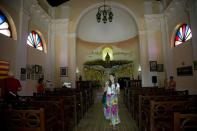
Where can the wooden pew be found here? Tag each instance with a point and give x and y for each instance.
(144, 101)
(62, 108)
(88, 85)
(1, 113)
(144, 105)
(133, 97)
(67, 114)
(25, 120)
(131, 84)
(161, 113)
(52, 108)
(70, 92)
(185, 122)
(84, 98)
(135, 83)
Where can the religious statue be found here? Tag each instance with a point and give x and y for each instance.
(107, 57)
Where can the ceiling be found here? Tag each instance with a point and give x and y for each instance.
(55, 3)
(122, 27)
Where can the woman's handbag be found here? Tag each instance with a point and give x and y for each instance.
(104, 98)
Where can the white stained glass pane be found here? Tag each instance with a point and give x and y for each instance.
(6, 32)
(190, 36)
(177, 43)
(39, 48)
(4, 25)
(31, 39)
(188, 33)
(29, 43)
(181, 32)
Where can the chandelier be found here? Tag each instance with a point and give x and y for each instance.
(104, 13)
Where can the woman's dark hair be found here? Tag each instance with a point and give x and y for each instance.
(110, 82)
(40, 80)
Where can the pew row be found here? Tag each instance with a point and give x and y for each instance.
(185, 122)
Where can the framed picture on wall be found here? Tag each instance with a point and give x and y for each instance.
(28, 70)
(195, 65)
(63, 71)
(185, 71)
(37, 67)
(23, 70)
(160, 67)
(23, 74)
(153, 65)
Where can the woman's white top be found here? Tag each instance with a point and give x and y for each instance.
(114, 89)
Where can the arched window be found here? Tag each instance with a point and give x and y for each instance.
(4, 25)
(183, 34)
(34, 40)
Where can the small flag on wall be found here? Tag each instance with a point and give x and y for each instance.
(4, 69)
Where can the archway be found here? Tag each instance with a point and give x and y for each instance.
(121, 35)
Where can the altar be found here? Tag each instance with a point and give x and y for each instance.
(99, 70)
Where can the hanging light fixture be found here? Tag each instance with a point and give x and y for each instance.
(104, 13)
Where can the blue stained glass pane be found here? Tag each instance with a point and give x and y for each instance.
(2, 18)
(179, 35)
(38, 41)
(187, 28)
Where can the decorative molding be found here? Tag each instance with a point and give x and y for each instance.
(142, 32)
(174, 7)
(153, 22)
(35, 7)
(153, 16)
(73, 35)
(60, 25)
(60, 21)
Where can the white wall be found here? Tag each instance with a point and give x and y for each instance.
(182, 55)
(27, 16)
(9, 45)
(59, 28)
(39, 21)
(193, 20)
(153, 49)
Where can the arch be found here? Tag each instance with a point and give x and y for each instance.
(42, 40)
(11, 23)
(75, 24)
(110, 3)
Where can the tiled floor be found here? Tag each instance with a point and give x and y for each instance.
(95, 121)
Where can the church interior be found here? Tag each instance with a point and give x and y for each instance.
(56, 57)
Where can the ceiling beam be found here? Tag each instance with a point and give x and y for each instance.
(55, 3)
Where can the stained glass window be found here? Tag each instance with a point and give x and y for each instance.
(4, 25)
(34, 40)
(183, 34)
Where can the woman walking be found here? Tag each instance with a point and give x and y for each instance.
(111, 109)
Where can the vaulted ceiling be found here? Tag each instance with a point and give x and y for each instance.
(55, 3)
